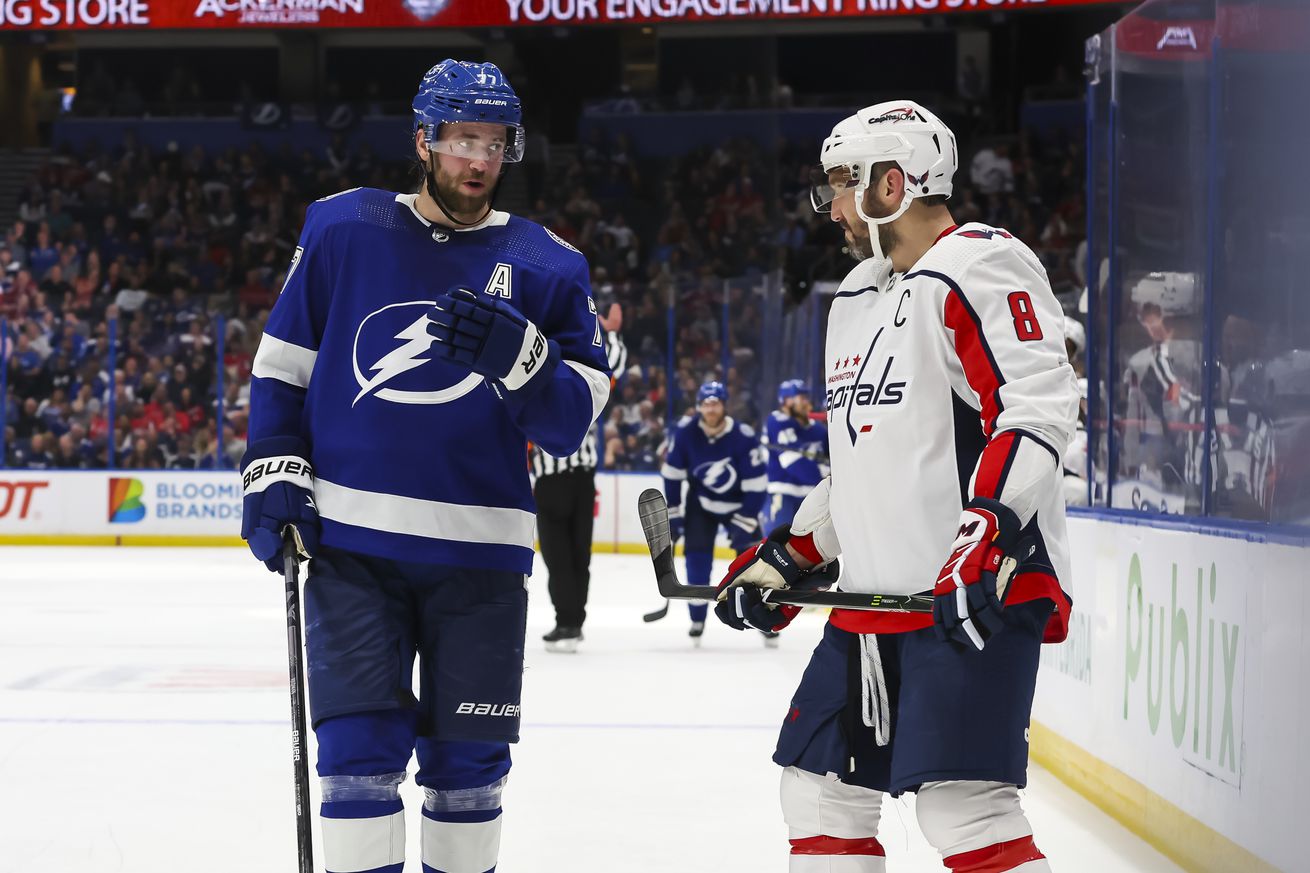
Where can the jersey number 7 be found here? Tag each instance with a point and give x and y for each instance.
(1025, 318)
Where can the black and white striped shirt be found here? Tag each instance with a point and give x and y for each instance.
(585, 458)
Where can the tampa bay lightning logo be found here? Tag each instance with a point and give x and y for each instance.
(425, 9)
(391, 349)
(716, 476)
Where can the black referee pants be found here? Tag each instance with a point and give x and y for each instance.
(565, 504)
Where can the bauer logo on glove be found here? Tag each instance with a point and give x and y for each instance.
(491, 338)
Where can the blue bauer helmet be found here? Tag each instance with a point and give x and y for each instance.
(712, 391)
(454, 91)
(792, 388)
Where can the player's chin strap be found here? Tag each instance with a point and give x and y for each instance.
(875, 243)
(430, 179)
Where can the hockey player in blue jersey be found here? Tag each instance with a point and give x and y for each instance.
(419, 342)
(798, 453)
(722, 464)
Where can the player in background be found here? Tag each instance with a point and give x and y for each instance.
(950, 403)
(798, 452)
(722, 463)
(419, 342)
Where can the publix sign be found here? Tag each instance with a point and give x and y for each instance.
(1184, 643)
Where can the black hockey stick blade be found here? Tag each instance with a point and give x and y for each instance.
(654, 513)
(657, 614)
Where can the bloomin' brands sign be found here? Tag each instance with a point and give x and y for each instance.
(174, 498)
(97, 503)
(125, 504)
(203, 14)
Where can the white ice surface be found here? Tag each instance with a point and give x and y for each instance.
(144, 728)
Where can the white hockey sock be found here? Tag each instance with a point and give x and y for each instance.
(831, 825)
(461, 829)
(978, 827)
(363, 824)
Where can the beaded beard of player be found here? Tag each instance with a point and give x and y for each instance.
(444, 189)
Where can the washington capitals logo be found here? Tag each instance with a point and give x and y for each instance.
(393, 341)
(425, 9)
(717, 476)
(917, 180)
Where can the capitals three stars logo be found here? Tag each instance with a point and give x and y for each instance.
(843, 363)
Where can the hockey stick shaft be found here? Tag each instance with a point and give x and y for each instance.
(654, 513)
(296, 669)
(817, 456)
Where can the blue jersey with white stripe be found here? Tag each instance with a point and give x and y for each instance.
(791, 472)
(725, 472)
(418, 459)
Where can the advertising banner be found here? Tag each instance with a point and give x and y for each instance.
(235, 14)
(1183, 671)
(137, 503)
(192, 507)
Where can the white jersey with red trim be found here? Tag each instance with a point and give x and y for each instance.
(946, 383)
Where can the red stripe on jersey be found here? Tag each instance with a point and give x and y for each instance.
(996, 858)
(971, 349)
(1036, 586)
(945, 233)
(994, 465)
(861, 621)
(837, 846)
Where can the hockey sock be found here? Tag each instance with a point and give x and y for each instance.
(831, 824)
(978, 827)
(461, 829)
(363, 824)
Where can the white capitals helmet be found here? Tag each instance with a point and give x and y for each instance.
(898, 130)
(1174, 293)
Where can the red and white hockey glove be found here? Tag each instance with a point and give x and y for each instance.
(768, 565)
(967, 605)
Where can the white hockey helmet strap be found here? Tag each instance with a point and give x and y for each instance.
(899, 131)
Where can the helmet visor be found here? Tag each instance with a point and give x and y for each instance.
(474, 146)
(827, 187)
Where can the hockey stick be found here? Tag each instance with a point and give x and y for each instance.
(657, 614)
(654, 514)
(296, 668)
(810, 454)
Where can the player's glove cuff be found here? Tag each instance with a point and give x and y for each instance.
(278, 495)
(766, 565)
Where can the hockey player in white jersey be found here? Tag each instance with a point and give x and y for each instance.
(950, 402)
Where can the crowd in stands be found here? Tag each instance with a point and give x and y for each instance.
(166, 247)
(175, 248)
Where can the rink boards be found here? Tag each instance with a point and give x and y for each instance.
(1177, 704)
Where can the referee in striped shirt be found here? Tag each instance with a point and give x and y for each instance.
(565, 489)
